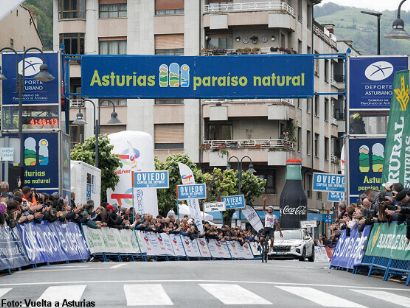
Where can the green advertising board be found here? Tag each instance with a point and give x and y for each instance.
(397, 149)
(389, 241)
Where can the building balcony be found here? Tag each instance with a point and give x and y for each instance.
(248, 51)
(275, 14)
(275, 151)
(273, 109)
(325, 35)
(250, 6)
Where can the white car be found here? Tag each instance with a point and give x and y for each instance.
(295, 244)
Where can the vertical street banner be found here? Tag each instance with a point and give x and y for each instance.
(397, 154)
(371, 80)
(366, 159)
(253, 218)
(187, 177)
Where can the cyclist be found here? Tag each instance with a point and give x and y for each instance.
(271, 225)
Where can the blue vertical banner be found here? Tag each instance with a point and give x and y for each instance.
(35, 92)
(41, 161)
(371, 80)
(366, 160)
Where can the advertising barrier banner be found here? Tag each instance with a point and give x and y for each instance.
(177, 245)
(12, 252)
(203, 248)
(389, 241)
(245, 76)
(350, 250)
(371, 80)
(218, 249)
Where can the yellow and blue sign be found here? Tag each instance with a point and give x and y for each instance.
(191, 191)
(234, 202)
(35, 92)
(245, 76)
(152, 179)
(371, 80)
(328, 182)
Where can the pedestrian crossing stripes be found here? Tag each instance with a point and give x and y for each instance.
(157, 294)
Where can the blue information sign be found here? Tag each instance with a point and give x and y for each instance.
(371, 81)
(335, 196)
(191, 191)
(366, 160)
(328, 182)
(35, 92)
(245, 76)
(234, 202)
(154, 179)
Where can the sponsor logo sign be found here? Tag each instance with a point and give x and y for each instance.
(328, 182)
(214, 207)
(261, 76)
(191, 191)
(154, 179)
(234, 202)
(289, 210)
(335, 196)
(371, 81)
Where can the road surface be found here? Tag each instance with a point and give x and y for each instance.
(198, 284)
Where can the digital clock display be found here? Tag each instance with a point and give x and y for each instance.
(40, 122)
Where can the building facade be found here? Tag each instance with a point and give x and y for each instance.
(269, 131)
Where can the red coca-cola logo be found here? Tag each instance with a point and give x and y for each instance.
(288, 210)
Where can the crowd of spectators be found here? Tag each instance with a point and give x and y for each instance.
(391, 205)
(26, 205)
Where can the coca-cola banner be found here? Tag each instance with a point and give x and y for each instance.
(292, 215)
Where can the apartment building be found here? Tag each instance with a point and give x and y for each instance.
(269, 131)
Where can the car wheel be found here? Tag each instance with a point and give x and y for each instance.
(302, 258)
(312, 257)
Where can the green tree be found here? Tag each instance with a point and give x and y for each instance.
(108, 162)
(166, 197)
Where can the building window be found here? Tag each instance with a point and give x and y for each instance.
(270, 187)
(300, 10)
(170, 52)
(308, 185)
(76, 134)
(282, 40)
(220, 42)
(115, 101)
(327, 71)
(11, 42)
(326, 148)
(219, 131)
(113, 47)
(309, 50)
(299, 146)
(308, 142)
(309, 105)
(318, 195)
(116, 10)
(316, 145)
(169, 136)
(309, 17)
(300, 48)
(169, 101)
(73, 43)
(317, 106)
(71, 9)
(166, 7)
(317, 65)
(326, 109)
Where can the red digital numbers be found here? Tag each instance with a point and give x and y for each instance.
(51, 122)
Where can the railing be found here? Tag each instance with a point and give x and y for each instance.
(282, 101)
(329, 40)
(280, 7)
(247, 51)
(268, 144)
(75, 103)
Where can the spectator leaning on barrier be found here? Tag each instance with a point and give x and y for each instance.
(404, 211)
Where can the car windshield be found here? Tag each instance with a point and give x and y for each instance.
(290, 235)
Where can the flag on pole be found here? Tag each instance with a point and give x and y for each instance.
(397, 150)
(187, 177)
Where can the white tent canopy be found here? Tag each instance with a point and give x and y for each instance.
(183, 209)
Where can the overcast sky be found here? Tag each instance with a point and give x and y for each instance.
(377, 5)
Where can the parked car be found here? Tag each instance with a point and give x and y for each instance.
(295, 244)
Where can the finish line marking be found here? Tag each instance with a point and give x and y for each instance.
(201, 281)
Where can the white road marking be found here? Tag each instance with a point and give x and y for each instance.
(321, 298)
(61, 293)
(386, 296)
(146, 295)
(37, 271)
(4, 291)
(233, 294)
(274, 283)
(118, 266)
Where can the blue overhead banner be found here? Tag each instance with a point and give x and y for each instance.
(245, 76)
(371, 80)
(328, 182)
(154, 179)
(366, 160)
(35, 92)
(191, 191)
(234, 202)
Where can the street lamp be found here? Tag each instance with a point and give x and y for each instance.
(43, 75)
(398, 31)
(80, 121)
(240, 168)
(378, 15)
